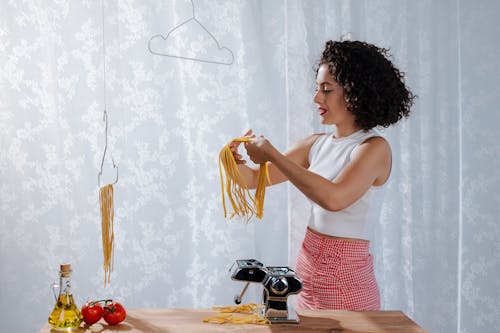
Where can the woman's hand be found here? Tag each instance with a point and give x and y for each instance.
(258, 149)
(234, 145)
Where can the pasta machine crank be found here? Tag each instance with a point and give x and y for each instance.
(279, 282)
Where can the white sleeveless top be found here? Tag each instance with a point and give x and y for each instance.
(327, 157)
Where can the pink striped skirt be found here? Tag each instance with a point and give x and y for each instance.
(336, 274)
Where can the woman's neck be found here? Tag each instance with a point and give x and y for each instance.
(344, 131)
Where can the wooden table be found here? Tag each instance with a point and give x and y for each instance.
(317, 321)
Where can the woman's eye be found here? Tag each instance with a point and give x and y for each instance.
(323, 89)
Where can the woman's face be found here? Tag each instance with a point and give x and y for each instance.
(329, 97)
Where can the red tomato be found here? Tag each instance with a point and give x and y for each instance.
(114, 313)
(92, 312)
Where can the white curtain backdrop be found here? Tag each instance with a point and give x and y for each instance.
(63, 62)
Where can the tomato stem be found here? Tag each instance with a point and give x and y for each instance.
(106, 301)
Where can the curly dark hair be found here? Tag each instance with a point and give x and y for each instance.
(374, 89)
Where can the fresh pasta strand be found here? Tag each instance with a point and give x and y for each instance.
(107, 227)
(260, 191)
(248, 308)
(226, 316)
(233, 185)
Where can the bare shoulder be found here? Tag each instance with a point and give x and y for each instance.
(377, 142)
(299, 152)
(375, 146)
(375, 154)
(307, 142)
(303, 145)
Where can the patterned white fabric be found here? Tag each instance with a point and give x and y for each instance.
(436, 249)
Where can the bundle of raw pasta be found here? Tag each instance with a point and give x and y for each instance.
(226, 315)
(233, 185)
(107, 221)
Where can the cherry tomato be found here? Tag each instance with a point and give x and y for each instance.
(114, 313)
(92, 312)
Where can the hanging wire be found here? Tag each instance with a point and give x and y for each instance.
(103, 56)
(105, 114)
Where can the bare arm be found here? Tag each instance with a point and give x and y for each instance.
(370, 165)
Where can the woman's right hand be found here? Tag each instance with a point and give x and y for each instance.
(234, 148)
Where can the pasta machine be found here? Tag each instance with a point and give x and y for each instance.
(278, 282)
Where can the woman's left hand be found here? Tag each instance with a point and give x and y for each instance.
(258, 149)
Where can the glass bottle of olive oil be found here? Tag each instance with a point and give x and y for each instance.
(66, 314)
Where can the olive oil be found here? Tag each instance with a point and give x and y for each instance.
(65, 314)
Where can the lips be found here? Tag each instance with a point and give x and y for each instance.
(322, 111)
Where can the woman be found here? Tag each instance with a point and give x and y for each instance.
(342, 173)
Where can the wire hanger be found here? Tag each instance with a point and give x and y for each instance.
(105, 115)
(105, 119)
(185, 57)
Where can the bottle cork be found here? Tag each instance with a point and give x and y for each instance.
(65, 269)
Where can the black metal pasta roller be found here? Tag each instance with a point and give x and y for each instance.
(279, 282)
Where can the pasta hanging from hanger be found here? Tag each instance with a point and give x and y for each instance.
(233, 185)
(107, 221)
